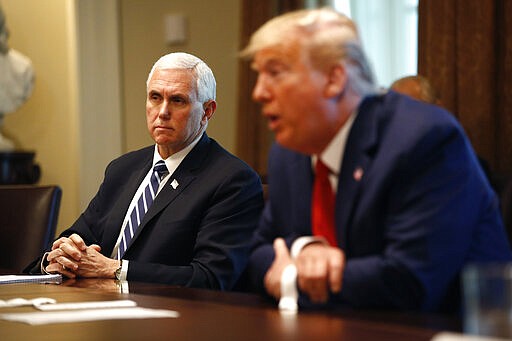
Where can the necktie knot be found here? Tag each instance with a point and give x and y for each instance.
(161, 169)
(321, 170)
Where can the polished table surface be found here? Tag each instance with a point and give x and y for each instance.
(210, 315)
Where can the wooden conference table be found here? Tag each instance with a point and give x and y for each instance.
(209, 315)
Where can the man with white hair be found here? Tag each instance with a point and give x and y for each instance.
(179, 212)
(375, 200)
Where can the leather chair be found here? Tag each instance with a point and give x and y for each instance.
(28, 219)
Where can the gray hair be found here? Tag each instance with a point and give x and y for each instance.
(328, 36)
(205, 80)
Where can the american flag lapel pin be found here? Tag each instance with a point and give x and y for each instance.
(174, 183)
(358, 174)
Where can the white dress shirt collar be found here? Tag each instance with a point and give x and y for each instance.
(173, 161)
(332, 155)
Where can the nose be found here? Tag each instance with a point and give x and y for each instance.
(260, 92)
(164, 110)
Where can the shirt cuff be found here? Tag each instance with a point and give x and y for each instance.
(124, 270)
(301, 242)
(43, 265)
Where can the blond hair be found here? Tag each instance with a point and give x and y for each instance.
(329, 38)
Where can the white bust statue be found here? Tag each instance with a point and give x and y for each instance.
(16, 80)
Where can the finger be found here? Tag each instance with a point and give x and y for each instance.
(96, 247)
(63, 261)
(66, 272)
(55, 254)
(336, 264)
(315, 269)
(280, 249)
(317, 291)
(272, 287)
(79, 242)
(71, 251)
(59, 268)
(320, 294)
(58, 242)
(311, 268)
(52, 255)
(67, 263)
(312, 280)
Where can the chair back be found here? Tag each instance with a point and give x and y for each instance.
(28, 219)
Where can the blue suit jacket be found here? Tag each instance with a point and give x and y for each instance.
(421, 210)
(196, 235)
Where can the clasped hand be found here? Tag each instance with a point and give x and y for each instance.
(319, 270)
(71, 257)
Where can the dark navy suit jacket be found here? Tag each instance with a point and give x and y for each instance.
(421, 210)
(196, 235)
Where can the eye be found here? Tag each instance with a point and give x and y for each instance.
(275, 69)
(178, 100)
(154, 96)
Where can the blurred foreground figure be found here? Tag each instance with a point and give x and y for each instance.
(375, 200)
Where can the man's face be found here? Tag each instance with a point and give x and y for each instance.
(292, 94)
(174, 115)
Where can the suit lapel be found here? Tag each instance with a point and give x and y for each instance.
(130, 186)
(302, 174)
(361, 144)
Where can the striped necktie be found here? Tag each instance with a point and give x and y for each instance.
(143, 202)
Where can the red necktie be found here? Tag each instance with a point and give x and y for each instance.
(322, 206)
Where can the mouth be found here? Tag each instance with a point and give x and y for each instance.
(272, 120)
(162, 128)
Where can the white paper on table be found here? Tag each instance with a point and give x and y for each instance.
(448, 336)
(86, 305)
(20, 302)
(84, 315)
(45, 279)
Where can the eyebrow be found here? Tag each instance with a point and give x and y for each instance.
(269, 63)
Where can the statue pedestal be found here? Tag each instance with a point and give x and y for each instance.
(17, 167)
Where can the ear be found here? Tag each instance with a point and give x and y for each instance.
(209, 109)
(336, 81)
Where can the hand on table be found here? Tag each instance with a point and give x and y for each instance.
(71, 257)
(320, 271)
